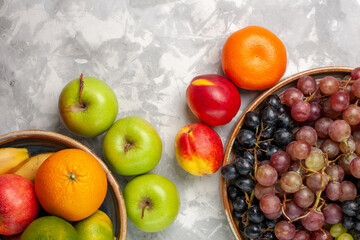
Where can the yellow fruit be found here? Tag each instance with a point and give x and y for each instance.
(10, 158)
(96, 227)
(31, 166)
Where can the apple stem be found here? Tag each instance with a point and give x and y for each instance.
(143, 211)
(144, 203)
(81, 90)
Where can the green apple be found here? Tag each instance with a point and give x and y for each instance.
(132, 146)
(152, 202)
(88, 106)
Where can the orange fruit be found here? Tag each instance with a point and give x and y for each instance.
(71, 184)
(254, 58)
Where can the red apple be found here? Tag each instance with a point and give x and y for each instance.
(198, 149)
(213, 99)
(18, 204)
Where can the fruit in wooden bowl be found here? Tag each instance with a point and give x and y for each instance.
(291, 161)
(38, 142)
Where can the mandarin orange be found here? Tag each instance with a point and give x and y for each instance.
(71, 184)
(254, 58)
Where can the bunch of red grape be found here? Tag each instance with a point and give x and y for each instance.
(296, 167)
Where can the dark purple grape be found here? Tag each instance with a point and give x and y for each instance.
(243, 166)
(273, 100)
(233, 192)
(254, 214)
(269, 116)
(229, 171)
(246, 138)
(252, 231)
(283, 137)
(252, 120)
(350, 207)
(246, 184)
(239, 204)
(315, 111)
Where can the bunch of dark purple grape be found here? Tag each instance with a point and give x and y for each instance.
(296, 161)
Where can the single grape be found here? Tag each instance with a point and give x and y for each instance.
(314, 221)
(352, 114)
(246, 184)
(290, 182)
(315, 160)
(350, 207)
(273, 100)
(348, 146)
(268, 132)
(349, 191)
(330, 147)
(246, 138)
(248, 156)
(292, 210)
(304, 197)
(266, 175)
(357, 147)
(254, 214)
(239, 204)
(269, 116)
(337, 229)
(260, 190)
(301, 149)
(322, 126)
(308, 134)
(307, 85)
(283, 137)
(333, 191)
(270, 203)
(315, 111)
(345, 161)
(329, 85)
(332, 213)
(285, 121)
(356, 88)
(301, 110)
(291, 95)
(335, 172)
(252, 231)
(316, 182)
(280, 161)
(243, 165)
(252, 120)
(229, 171)
(284, 230)
(340, 101)
(355, 167)
(339, 130)
(271, 150)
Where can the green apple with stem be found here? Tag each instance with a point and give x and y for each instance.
(152, 202)
(132, 146)
(87, 106)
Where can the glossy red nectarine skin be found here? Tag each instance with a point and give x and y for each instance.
(198, 149)
(213, 99)
(18, 204)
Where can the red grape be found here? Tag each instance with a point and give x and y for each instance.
(301, 235)
(290, 182)
(335, 172)
(316, 182)
(280, 161)
(307, 85)
(329, 85)
(301, 110)
(304, 197)
(321, 235)
(314, 221)
(284, 230)
(270, 203)
(291, 95)
(260, 190)
(308, 134)
(292, 210)
(356, 88)
(266, 175)
(330, 147)
(352, 114)
(349, 191)
(332, 213)
(327, 110)
(355, 73)
(340, 101)
(301, 149)
(339, 130)
(333, 191)
(315, 111)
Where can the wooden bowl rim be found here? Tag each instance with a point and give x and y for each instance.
(57, 137)
(257, 101)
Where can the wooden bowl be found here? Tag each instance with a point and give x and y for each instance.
(44, 141)
(279, 88)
